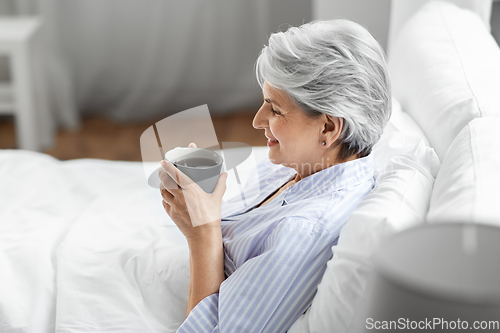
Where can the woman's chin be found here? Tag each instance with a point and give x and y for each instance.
(273, 158)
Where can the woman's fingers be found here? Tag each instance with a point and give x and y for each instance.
(180, 178)
(167, 182)
(166, 194)
(174, 198)
(171, 183)
(220, 187)
(192, 145)
(167, 207)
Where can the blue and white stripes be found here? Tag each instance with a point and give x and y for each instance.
(275, 255)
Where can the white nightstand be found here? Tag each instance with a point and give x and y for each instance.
(23, 97)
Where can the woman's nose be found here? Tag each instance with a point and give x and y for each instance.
(260, 121)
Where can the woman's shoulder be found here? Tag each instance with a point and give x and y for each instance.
(327, 208)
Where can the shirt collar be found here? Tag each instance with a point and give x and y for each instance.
(331, 179)
(323, 182)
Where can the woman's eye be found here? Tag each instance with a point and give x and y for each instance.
(276, 112)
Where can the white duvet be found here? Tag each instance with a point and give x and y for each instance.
(85, 246)
(82, 249)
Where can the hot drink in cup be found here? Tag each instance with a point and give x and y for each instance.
(203, 166)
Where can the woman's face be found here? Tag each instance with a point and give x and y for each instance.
(294, 139)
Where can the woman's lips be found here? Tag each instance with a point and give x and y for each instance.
(271, 142)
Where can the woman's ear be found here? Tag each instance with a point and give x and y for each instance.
(332, 129)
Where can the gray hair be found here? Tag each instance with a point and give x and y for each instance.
(336, 68)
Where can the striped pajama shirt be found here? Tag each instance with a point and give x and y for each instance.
(276, 254)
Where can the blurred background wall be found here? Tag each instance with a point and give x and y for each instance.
(144, 59)
(372, 14)
(133, 61)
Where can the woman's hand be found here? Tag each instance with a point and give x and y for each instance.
(196, 213)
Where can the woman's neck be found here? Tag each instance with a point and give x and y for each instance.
(307, 170)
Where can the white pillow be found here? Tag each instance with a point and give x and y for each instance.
(467, 185)
(445, 71)
(404, 122)
(405, 171)
(401, 10)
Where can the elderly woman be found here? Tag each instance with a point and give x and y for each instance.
(326, 101)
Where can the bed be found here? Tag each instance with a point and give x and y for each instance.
(85, 245)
